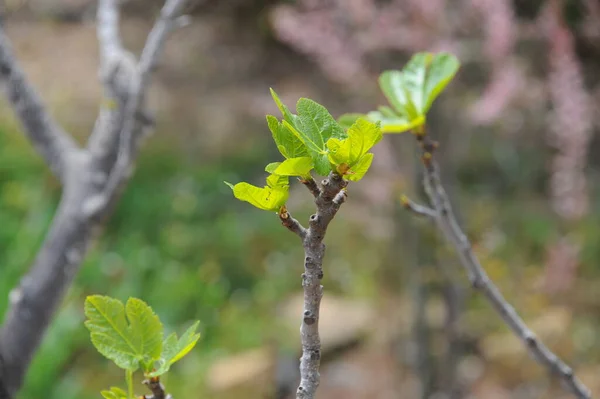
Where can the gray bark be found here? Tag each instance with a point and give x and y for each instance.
(92, 179)
(446, 222)
(328, 199)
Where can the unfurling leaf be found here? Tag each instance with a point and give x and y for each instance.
(412, 91)
(393, 86)
(287, 115)
(288, 143)
(316, 150)
(396, 123)
(270, 168)
(350, 155)
(174, 350)
(358, 171)
(317, 123)
(305, 134)
(278, 181)
(129, 335)
(269, 198)
(295, 167)
(442, 69)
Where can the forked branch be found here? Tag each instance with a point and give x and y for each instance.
(90, 176)
(448, 225)
(48, 138)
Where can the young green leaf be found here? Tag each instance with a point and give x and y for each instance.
(350, 154)
(288, 144)
(278, 181)
(295, 167)
(317, 122)
(387, 112)
(442, 69)
(413, 90)
(347, 120)
(314, 127)
(392, 85)
(174, 350)
(114, 393)
(361, 167)
(268, 198)
(287, 115)
(395, 123)
(318, 154)
(146, 327)
(128, 345)
(272, 166)
(414, 76)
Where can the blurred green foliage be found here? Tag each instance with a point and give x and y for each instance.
(178, 240)
(181, 242)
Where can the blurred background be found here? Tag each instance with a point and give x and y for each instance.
(516, 128)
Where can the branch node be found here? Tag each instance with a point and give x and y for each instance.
(312, 186)
(292, 224)
(448, 225)
(417, 209)
(531, 340)
(309, 317)
(340, 197)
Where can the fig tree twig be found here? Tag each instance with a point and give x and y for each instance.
(331, 195)
(448, 225)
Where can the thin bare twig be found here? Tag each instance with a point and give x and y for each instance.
(331, 195)
(292, 224)
(48, 138)
(417, 209)
(448, 225)
(136, 89)
(108, 30)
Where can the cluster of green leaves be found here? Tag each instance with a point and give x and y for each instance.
(131, 335)
(411, 92)
(310, 139)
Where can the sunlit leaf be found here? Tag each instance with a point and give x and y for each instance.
(266, 198)
(349, 154)
(295, 167)
(288, 143)
(127, 344)
(318, 154)
(287, 115)
(347, 120)
(174, 350)
(395, 124)
(278, 181)
(272, 166)
(322, 164)
(314, 128)
(317, 123)
(361, 167)
(412, 91)
(442, 69)
(392, 85)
